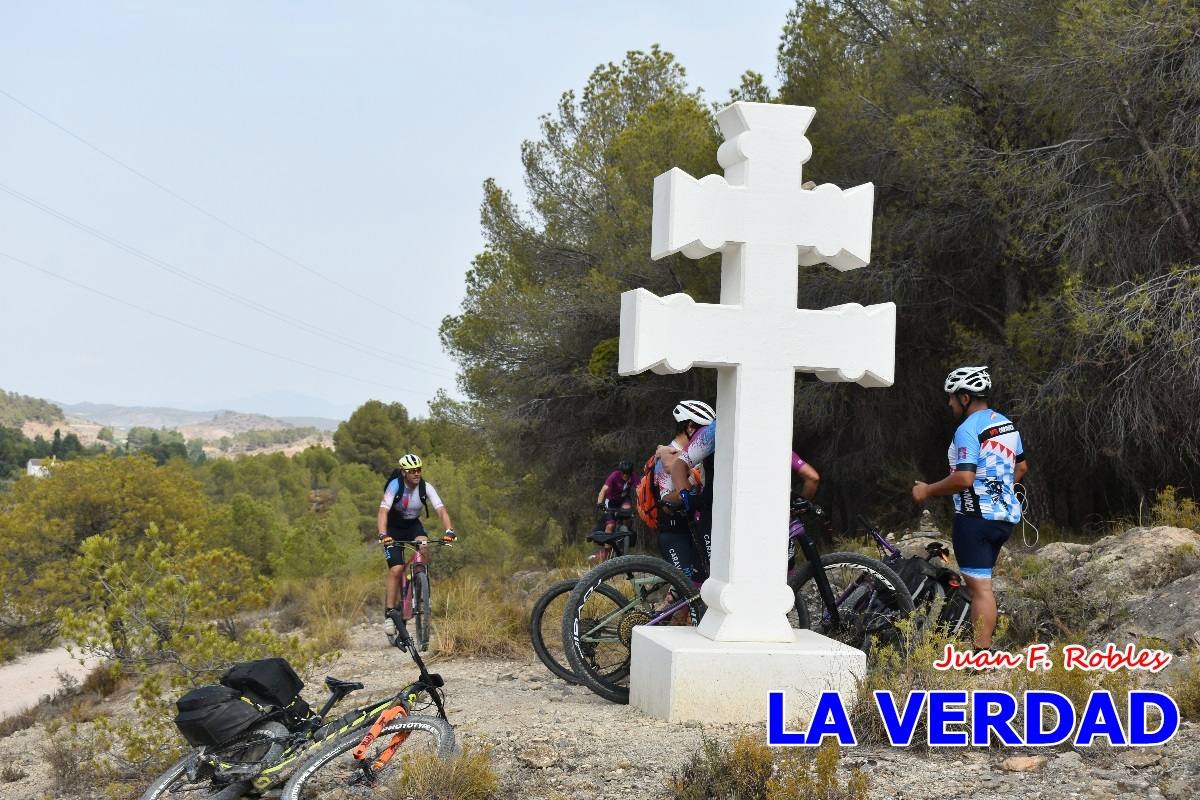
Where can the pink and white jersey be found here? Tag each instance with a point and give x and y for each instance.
(410, 504)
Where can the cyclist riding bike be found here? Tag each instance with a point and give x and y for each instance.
(987, 459)
(617, 492)
(399, 521)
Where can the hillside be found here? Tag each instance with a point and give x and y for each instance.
(17, 409)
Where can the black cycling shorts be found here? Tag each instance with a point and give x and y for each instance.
(406, 531)
(977, 544)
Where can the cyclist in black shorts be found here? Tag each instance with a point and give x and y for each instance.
(399, 521)
(987, 459)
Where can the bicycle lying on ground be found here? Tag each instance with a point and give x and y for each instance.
(859, 599)
(414, 587)
(260, 759)
(545, 621)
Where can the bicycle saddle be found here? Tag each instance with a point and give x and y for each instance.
(600, 537)
(346, 686)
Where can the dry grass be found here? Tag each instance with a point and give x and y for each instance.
(72, 701)
(815, 775)
(1185, 689)
(326, 608)
(68, 770)
(478, 616)
(11, 774)
(468, 776)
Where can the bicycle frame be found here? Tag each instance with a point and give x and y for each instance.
(317, 732)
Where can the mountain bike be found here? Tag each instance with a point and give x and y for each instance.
(414, 588)
(545, 621)
(939, 593)
(851, 597)
(859, 598)
(263, 757)
(354, 763)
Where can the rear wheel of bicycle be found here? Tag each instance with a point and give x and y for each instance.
(545, 626)
(260, 746)
(334, 772)
(422, 614)
(871, 600)
(604, 608)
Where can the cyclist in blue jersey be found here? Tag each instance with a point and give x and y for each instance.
(987, 459)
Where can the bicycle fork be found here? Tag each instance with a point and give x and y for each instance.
(809, 547)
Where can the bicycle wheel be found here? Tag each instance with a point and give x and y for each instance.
(259, 746)
(421, 611)
(597, 627)
(545, 627)
(870, 597)
(333, 771)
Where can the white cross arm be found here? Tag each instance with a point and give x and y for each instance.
(699, 217)
(849, 343)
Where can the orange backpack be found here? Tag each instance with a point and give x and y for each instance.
(647, 492)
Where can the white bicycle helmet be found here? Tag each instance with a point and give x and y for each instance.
(697, 411)
(972, 380)
(410, 461)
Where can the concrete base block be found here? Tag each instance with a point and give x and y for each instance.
(678, 675)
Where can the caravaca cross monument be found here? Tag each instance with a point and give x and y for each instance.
(765, 226)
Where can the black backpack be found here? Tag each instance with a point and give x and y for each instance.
(398, 475)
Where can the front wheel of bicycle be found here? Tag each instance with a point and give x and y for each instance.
(422, 615)
(604, 608)
(871, 599)
(545, 627)
(260, 746)
(334, 772)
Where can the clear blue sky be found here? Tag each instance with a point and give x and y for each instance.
(352, 138)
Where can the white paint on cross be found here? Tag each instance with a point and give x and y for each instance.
(765, 226)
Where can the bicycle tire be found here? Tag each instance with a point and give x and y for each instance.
(326, 769)
(869, 610)
(169, 781)
(608, 674)
(554, 659)
(422, 615)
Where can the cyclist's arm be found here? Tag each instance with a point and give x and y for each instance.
(603, 493)
(444, 516)
(812, 480)
(955, 482)
(1020, 470)
(382, 521)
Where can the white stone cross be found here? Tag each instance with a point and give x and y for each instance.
(764, 225)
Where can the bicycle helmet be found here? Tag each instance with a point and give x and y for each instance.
(410, 461)
(625, 466)
(697, 411)
(975, 381)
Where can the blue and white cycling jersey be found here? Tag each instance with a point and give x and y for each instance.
(988, 444)
(701, 445)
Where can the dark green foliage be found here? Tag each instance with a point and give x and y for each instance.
(1037, 211)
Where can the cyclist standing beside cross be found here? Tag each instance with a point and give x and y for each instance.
(987, 459)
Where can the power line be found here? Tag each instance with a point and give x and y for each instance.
(251, 237)
(254, 305)
(197, 329)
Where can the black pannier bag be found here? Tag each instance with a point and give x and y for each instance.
(214, 715)
(270, 681)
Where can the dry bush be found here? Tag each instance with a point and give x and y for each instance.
(1170, 508)
(60, 750)
(326, 608)
(467, 776)
(11, 774)
(740, 771)
(1185, 689)
(1044, 603)
(815, 775)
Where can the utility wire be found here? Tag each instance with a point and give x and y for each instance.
(213, 216)
(254, 305)
(189, 326)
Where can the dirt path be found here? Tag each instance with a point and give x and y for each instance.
(551, 741)
(23, 682)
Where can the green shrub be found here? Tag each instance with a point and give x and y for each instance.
(1170, 508)
(467, 776)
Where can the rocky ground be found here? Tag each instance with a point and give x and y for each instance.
(549, 740)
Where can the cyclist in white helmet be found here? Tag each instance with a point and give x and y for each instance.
(987, 458)
(399, 520)
(673, 472)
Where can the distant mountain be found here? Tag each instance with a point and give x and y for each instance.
(320, 423)
(282, 404)
(139, 416)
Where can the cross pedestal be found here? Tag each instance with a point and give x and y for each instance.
(765, 226)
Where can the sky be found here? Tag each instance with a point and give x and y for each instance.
(271, 206)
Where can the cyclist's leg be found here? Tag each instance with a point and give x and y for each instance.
(977, 544)
(675, 542)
